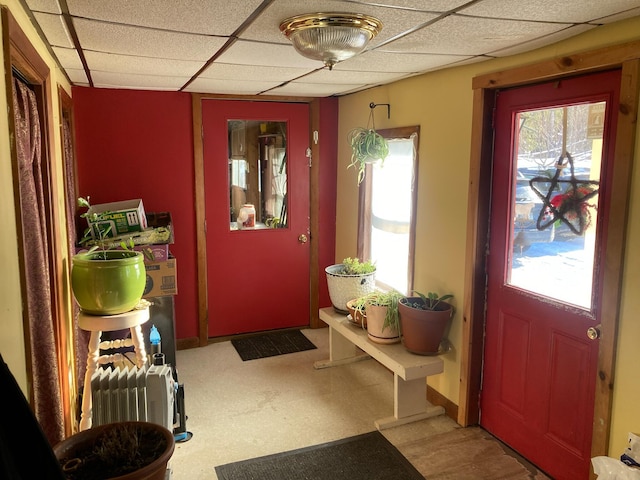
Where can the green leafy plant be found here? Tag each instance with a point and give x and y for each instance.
(353, 266)
(367, 146)
(429, 301)
(389, 299)
(101, 231)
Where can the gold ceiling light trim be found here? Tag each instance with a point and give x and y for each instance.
(330, 37)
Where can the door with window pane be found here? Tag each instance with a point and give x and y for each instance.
(256, 176)
(552, 162)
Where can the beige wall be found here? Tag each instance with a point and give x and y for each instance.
(11, 333)
(441, 103)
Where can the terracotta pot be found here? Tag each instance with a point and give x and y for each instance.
(423, 330)
(358, 318)
(76, 446)
(343, 288)
(375, 321)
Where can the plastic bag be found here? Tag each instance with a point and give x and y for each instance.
(608, 468)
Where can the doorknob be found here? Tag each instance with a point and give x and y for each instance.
(302, 238)
(594, 332)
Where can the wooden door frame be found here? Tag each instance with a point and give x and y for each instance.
(199, 187)
(627, 58)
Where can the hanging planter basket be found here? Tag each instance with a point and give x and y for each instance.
(367, 146)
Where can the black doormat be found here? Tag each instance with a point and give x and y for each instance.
(364, 457)
(271, 344)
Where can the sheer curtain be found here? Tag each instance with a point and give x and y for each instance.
(44, 363)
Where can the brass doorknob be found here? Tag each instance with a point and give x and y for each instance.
(302, 238)
(594, 332)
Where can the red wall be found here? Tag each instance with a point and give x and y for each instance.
(139, 144)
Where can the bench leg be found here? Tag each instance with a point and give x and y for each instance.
(341, 352)
(409, 403)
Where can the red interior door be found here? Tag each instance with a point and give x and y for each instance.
(554, 142)
(258, 277)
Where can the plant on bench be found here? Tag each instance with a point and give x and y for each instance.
(423, 322)
(383, 325)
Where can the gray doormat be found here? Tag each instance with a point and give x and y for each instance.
(364, 457)
(271, 344)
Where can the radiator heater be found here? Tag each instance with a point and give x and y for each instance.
(132, 393)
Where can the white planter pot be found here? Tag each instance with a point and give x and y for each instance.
(343, 288)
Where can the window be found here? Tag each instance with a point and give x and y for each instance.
(388, 197)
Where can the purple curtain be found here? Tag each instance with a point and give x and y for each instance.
(45, 371)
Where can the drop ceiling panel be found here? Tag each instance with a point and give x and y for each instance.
(395, 21)
(235, 86)
(78, 77)
(132, 81)
(398, 62)
(162, 44)
(471, 36)
(111, 62)
(211, 17)
(634, 12)
(549, 10)
(145, 42)
(225, 71)
(266, 54)
(352, 77)
(543, 41)
(55, 30)
(313, 89)
(49, 6)
(68, 58)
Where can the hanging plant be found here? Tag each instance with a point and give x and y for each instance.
(367, 146)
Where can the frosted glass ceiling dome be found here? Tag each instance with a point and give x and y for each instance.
(330, 37)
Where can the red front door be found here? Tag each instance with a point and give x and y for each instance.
(257, 256)
(550, 198)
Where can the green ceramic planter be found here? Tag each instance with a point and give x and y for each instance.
(111, 286)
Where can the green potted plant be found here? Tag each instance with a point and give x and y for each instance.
(104, 280)
(367, 146)
(382, 315)
(123, 450)
(423, 322)
(348, 280)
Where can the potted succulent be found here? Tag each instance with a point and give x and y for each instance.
(382, 315)
(423, 322)
(348, 280)
(367, 146)
(104, 280)
(123, 450)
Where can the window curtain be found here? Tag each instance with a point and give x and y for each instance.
(81, 337)
(44, 364)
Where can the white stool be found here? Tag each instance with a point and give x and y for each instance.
(97, 324)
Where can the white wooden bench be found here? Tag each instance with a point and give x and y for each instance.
(410, 372)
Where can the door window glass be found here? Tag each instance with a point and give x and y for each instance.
(554, 201)
(257, 174)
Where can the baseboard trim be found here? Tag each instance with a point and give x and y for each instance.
(436, 398)
(186, 343)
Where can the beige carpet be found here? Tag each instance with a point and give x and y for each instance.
(241, 410)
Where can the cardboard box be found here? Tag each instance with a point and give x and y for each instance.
(124, 217)
(154, 253)
(161, 279)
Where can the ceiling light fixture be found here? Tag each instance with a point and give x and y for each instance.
(330, 37)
